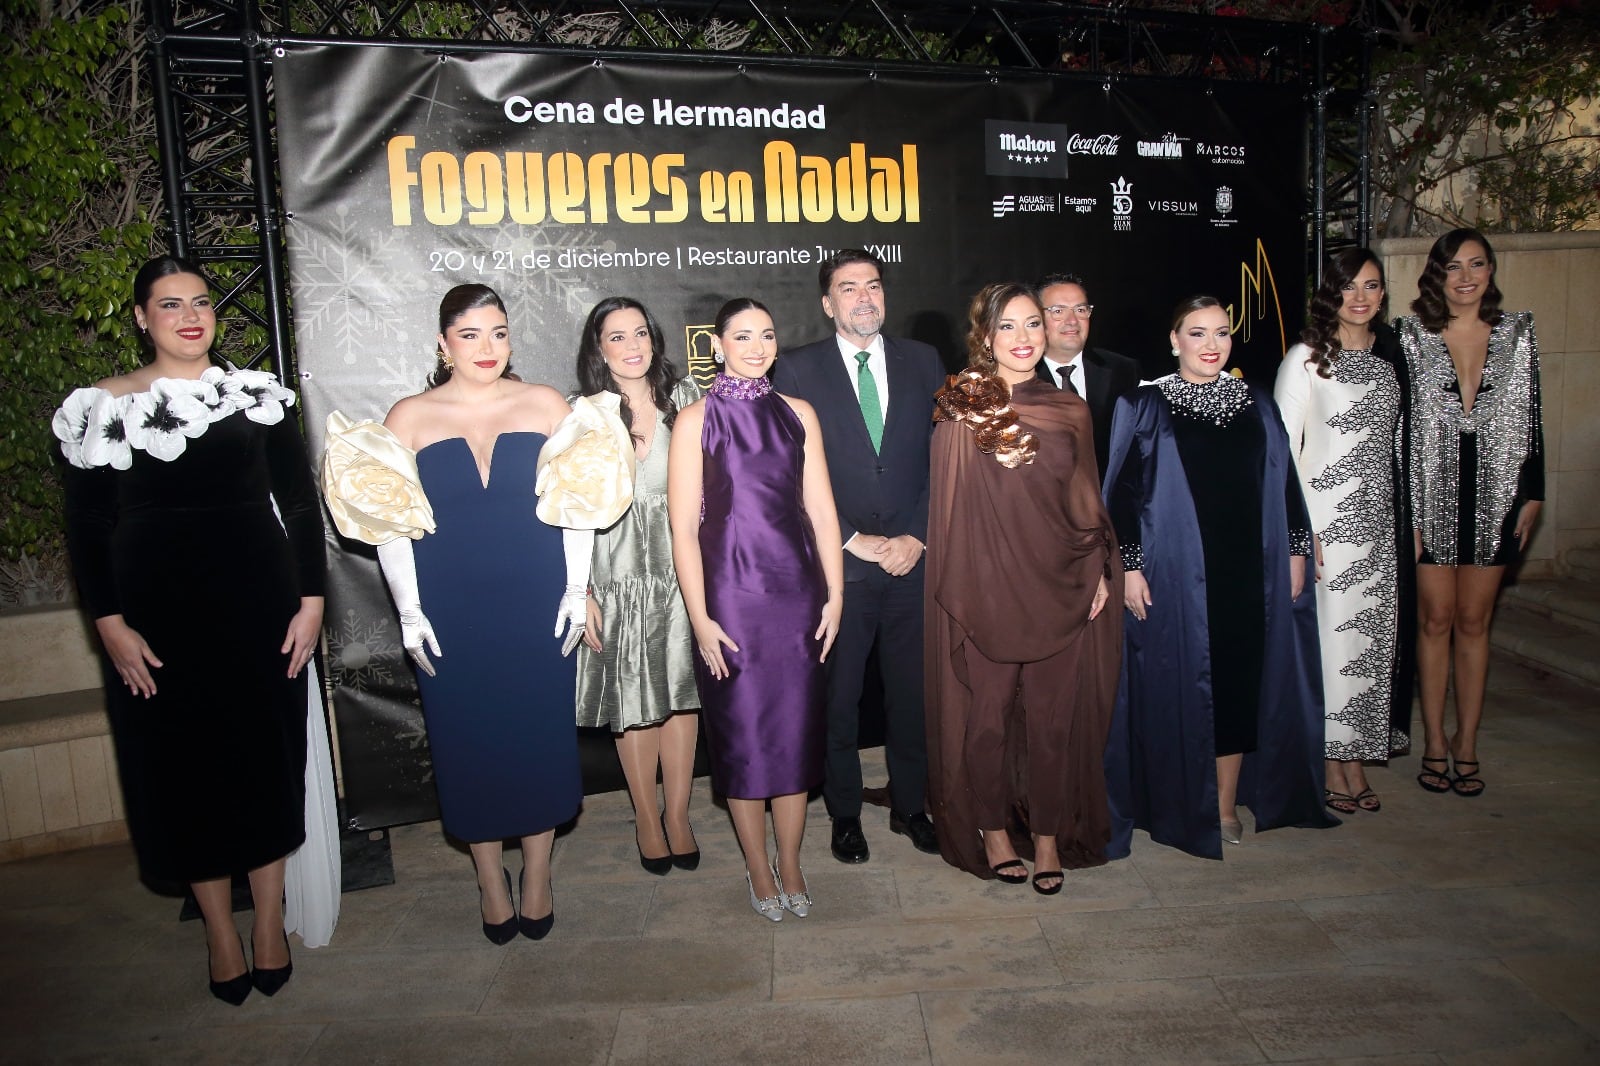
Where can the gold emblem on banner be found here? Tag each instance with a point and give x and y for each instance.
(702, 367)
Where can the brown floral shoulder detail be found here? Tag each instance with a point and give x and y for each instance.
(983, 402)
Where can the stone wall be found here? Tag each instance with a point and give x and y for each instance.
(1557, 277)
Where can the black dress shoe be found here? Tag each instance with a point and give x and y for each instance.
(504, 932)
(268, 982)
(919, 827)
(849, 842)
(234, 990)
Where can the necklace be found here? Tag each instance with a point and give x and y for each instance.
(1216, 401)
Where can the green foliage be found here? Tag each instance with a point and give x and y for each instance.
(73, 149)
(1478, 121)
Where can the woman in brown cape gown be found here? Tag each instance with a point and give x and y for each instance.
(1022, 661)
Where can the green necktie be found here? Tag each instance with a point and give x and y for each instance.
(867, 388)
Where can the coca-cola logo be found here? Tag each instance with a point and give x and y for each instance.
(1101, 144)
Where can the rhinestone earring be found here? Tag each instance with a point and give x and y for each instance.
(716, 356)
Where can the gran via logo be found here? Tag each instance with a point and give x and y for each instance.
(1025, 149)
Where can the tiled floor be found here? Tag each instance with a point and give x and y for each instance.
(1440, 930)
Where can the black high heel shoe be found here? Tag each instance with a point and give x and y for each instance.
(659, 866)
(234, 990)
(535, 928)
(683, 860)
(504, 932)
(268, 982)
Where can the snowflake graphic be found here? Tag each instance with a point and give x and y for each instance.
(362, 649)
(350, 301)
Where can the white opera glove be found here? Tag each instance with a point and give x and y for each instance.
(400, 571)
(578, 546)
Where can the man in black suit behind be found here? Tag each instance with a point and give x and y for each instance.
(878, 461)
(1097, 375)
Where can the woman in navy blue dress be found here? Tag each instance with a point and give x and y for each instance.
(496, 688)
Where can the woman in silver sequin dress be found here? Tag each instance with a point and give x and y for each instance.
(1342, 394)
(635, 669)
(1477, 479)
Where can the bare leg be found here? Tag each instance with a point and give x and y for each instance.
(1475, 591)
(678, 735)
(1436, 609)
(789, 827)
(222, 936)
(487, 858)
(268, 947)
(1046, 860)
(1228, 767)
(537, 900)
(750, 825)
(997, 849)
(1333, 776)
(640, 751)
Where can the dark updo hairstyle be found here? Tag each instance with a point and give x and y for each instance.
(164, 266)
(1429, 306)
(594, 375)
(1321, 334)
(1189, 305)
(983, 314)
(737, 306)
(457, 302)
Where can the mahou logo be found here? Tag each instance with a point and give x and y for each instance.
(1025, 149)
(1100, 144)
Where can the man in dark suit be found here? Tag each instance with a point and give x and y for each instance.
(874, 401)
(1095, 374)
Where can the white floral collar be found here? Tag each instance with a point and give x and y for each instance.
(98, 429)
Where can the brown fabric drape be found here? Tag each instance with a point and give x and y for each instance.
(1014, 557)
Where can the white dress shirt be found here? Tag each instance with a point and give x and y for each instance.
(1074, 371)
(876, 362)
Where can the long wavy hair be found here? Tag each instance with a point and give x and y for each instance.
(457, 302)
(165, 266)
(595, 376)
(1429, 306)
(1321, 334)
(983, 313)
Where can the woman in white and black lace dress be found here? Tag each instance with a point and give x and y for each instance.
(1342, 393)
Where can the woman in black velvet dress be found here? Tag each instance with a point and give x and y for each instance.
(207, 608)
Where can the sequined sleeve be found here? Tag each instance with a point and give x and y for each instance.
(1530, 479)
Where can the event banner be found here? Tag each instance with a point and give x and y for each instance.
(561, 179)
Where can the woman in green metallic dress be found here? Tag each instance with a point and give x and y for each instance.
(635, 673)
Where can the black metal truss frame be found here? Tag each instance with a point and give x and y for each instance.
(211, 72)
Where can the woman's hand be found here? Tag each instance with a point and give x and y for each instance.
(709, 638)
(1297, 576)
(1316, 546)
(129, 654)
(829, 628)
(1136, 593)
(591, 628)
(1102, 593)
(1525, 519)
(305, 629)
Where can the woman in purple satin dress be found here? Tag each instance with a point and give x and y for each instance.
(755, 540)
